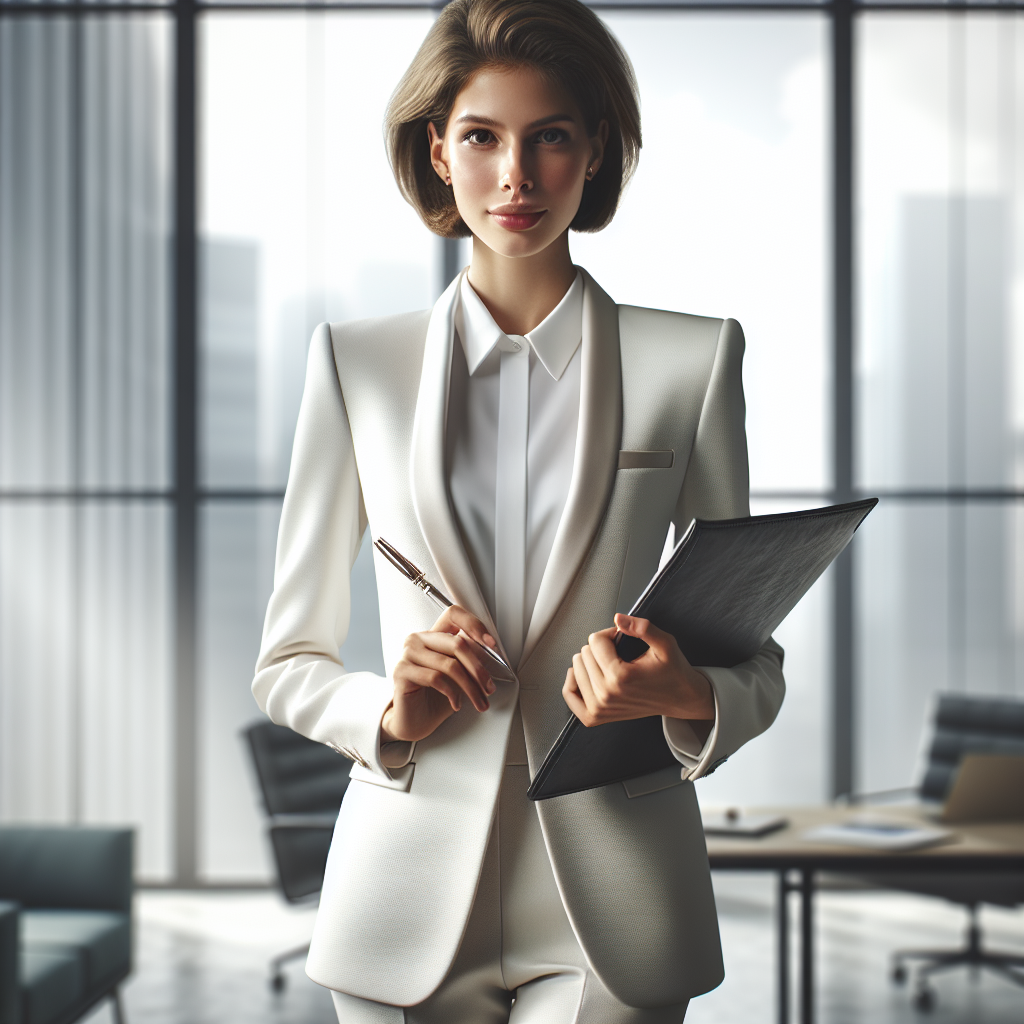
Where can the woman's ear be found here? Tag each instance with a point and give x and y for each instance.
(438, 157)
(597, 147)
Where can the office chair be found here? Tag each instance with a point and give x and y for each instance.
(302, 783)
(963, 725)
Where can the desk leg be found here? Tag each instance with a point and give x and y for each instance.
(782, 912)
(806, 947)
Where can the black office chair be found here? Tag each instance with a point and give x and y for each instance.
(963, 725)
(302, 783)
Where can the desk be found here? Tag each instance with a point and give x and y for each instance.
(973, 848)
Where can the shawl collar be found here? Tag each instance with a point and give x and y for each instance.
(428, 470)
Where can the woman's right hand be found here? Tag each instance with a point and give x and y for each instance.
(438, 670)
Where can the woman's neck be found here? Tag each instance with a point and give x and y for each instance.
(519, 292)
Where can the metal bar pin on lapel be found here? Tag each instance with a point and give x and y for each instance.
(415, 575)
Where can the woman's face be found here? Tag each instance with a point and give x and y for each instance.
(517, 153)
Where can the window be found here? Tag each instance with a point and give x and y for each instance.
(186, 189)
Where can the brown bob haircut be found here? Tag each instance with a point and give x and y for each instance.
(562, 39)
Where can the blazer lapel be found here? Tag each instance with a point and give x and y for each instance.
(597, 454)
(428, 471)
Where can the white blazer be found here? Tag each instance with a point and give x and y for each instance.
(408, 847)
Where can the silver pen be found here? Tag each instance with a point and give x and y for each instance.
(415, 575)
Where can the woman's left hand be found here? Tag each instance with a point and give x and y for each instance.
(601, 687)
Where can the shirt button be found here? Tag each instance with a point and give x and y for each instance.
(516, 346)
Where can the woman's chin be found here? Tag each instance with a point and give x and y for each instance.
(515, 244)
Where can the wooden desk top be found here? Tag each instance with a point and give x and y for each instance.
(971, 848)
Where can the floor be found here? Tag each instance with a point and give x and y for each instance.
(201, 959)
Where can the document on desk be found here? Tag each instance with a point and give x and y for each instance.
(877, 834)
(726, 587)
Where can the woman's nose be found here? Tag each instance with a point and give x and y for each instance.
(515, 179)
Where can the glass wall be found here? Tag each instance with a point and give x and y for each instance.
(727, 213)
(940, 374)
(299, 222)
(300, 218)
(85, 588)
(727, 216)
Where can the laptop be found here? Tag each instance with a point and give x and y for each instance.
(989, 788)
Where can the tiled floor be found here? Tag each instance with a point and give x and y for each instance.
(201, 959)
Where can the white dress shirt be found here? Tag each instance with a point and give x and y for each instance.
(513, 415)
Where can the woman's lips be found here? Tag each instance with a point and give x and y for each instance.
(518, 221)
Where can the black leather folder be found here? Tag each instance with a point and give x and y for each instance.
(725, 589)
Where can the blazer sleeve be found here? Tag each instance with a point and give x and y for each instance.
(300, 679)
(716, 486)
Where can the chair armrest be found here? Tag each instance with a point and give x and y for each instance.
(319, 821)
(67, 868)
(10, 990)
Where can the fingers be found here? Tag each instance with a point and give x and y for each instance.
(571, 696)
(585, 687)
(452, 657)
(431, 679)
(453, 664)
(595, 674)
(455, 618)
(580, 693)
(570, 682)
(469, 654)
(608, 687)
(602, 646)
(657, 639)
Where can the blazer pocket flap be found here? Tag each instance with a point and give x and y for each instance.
(401, 778)
(664, 778)
(646, 460)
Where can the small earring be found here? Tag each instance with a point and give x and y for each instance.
(590, 173)
(448, 179)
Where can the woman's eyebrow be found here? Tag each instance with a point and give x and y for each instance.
(480, 119)
(551, 120)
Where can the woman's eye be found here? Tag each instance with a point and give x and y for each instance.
(478, 136)
(551, 136)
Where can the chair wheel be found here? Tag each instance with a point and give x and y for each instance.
(899, 974)
(924, 1000)
(278, 982)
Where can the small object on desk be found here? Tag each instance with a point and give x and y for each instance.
(878, 834)
(732, 822)
(415, 575)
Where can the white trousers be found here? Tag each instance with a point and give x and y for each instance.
(519, 962)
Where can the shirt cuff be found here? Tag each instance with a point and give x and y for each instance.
(396, 753)
(683, 740)
(393, 753)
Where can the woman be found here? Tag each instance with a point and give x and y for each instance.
(527, 443)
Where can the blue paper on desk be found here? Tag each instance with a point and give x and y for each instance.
(877, 834)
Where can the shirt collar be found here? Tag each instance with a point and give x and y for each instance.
(554, 340)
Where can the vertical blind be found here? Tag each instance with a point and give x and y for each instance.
(85, 663)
